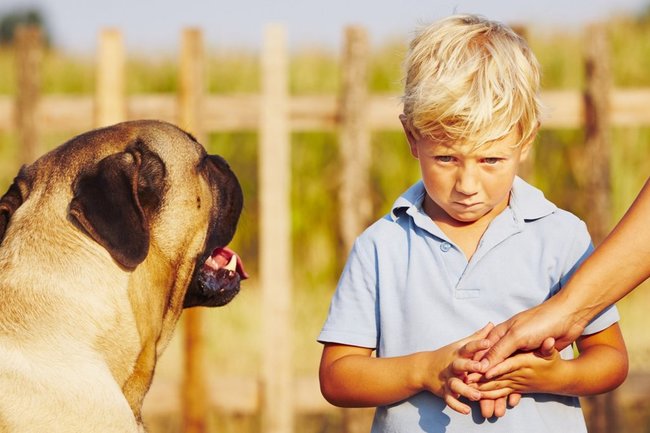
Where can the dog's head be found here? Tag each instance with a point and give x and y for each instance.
(139, 187)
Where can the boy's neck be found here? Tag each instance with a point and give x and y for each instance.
(466, 235)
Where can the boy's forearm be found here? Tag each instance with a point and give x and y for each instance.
(361, 381)
(599, 369)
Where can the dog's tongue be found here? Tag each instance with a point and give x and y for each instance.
(226, 258)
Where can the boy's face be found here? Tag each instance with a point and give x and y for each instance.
(466, 185)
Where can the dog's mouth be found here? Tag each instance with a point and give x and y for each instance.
(221, 274)
(218, 279)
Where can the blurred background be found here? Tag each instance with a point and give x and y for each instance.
(302, 99)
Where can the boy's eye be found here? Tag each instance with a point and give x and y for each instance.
(491, 161)
(444, 158)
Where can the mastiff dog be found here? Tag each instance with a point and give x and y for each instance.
(103, 241)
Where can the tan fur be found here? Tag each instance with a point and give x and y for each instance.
(80, 332)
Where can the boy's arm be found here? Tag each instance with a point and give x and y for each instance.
(601, 366)
(351, 377)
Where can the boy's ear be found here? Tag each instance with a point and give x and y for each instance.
(411, 135)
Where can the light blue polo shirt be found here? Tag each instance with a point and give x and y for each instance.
(407, 288)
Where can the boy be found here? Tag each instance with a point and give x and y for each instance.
(468, 244)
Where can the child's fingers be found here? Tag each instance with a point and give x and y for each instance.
(487, 408)
(547, 347)
(461, 366)
(513, 399)
(495, 393)
(459, 388)
(473, 377)
(500, 407)
(496, 407)
(456, 405)
(474, 346)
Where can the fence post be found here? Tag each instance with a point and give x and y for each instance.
(110, 102)
(602, 409)
(527, 168)
(355, 205)
(191, 91)
(354, 137)
(275, 236)
(29, 56)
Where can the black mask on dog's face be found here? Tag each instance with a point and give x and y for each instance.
(218, 270)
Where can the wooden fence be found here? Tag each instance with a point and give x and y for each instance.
(354, 113)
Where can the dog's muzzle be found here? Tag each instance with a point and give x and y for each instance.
(218, 279)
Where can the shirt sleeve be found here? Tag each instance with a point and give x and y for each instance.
(352, 316)
(579, 250)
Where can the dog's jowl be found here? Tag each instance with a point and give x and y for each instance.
(103, 241)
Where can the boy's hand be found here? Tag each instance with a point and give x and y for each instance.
(452, 384)
(523, 372)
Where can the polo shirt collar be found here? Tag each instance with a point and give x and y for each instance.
(528, 203)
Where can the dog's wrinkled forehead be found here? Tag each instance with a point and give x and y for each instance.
(158, 137)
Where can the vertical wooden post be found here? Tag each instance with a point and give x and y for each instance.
(29, 58)
(194, 395)
(597, 136)
(354, 138)
(527, 168)
(602, 411)
(275, 235)
(355, 158)
(110, 101)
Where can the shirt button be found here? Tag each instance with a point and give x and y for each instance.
(445, 246)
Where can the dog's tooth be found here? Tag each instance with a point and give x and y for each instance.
(232, 264)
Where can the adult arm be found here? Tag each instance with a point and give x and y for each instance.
(617, 266)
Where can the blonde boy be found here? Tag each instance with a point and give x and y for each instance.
(469, 244)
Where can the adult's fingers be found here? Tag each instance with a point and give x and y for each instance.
(504, 343)
(504, 367)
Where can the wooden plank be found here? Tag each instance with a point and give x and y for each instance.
(630, 107)
(160, 106)
(564, 109)
(275, 235)
(194, 394)
(61, 112)
(110, 97)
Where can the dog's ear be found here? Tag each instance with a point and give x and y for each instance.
(115, 201)
(9, 202)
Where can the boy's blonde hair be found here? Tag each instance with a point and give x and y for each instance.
(471, 80)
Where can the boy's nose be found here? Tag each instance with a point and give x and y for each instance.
(467, 181)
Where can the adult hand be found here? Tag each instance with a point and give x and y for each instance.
(545, 326)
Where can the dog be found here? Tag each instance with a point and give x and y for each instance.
(103, 241)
